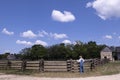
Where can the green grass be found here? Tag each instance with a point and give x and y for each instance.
(107, 69)
(111, 68)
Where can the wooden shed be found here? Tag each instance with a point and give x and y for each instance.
(11, 57)
(106, 53)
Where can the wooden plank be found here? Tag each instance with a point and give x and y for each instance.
(32, 62)
(32, 65)
(56, 67)
(32, 68)
(55, 63)
(55, 70)
(16, 61)
(3, 64)
(15, 66)
(87, 64)
(68, 65)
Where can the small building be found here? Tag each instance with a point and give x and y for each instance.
(112, 53)
(106, 53)
(11, 57)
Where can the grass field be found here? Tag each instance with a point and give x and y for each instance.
(107, 69)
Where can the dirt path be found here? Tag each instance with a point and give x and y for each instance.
(16, 77)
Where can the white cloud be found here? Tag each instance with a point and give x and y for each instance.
(5, 31)
(7, 51)
(106, 9)
(66, 41)
(89, 4)
(41, 42)
(108, 37)
(119, 37)
(58, 36)
(28, 43)
(24, 42)
(62, 17)
(28, 34)
(42, 33)
(52, 35)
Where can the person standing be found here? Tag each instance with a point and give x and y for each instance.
(81, 61)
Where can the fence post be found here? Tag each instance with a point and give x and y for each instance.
(69, 65)
(41, 65)
(72, 65)
(8, 64)
(92, 64)
(23, 66)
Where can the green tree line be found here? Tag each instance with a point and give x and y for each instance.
(61, 51)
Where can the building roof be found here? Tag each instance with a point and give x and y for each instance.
(11, 57)
(106, 49)
(113, 49)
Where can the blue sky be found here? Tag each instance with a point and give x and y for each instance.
(24, 23)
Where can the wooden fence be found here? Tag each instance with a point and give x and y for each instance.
(47, 66)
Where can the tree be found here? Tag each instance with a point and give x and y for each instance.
(76, 51)
(25, 53)
(38, 52)
(93, 49)
(59, 52)
(56, 52)
(63, 51)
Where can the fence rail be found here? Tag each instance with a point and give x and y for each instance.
(47, 66)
